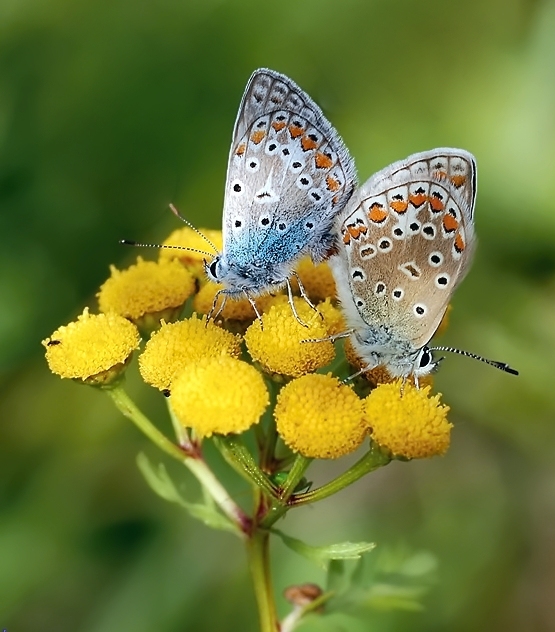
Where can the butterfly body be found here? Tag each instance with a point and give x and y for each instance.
(406, 242)
(289, 176)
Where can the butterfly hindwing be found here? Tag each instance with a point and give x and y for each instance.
(289, 175)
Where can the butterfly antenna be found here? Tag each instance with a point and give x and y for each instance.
(130, 242)
(197, 231)
(498, 365)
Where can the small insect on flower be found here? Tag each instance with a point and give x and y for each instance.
(94, 349)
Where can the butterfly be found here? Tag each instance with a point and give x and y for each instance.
(289, 175)
(406, 242)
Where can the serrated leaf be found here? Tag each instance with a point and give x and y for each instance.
(160, 482)
(321, 555)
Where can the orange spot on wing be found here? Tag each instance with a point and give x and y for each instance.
(257, 136)
(322, 161)
(459, 243)
(346, 238)
(241, 149)
(439, 174)
(295, 130)
(332, 183)
(436, 204)
(399, 206)
(278, 125)
(356, 231)
(450, 224)
(335, 199)
(418, 199)
(377, 213)
(458, 181)
(307, 143)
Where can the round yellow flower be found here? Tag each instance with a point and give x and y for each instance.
(147, 291)
(94, 349)
(278, 347)
(317, 279)
(320, 417)
(406, 421)
(186, 237)
(219, 396)
(174, 346)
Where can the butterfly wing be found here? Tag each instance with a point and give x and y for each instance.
(407, 242)
(289, 174)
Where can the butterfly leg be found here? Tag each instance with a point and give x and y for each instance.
(251, 301)
(305, 295)
(211, 314)
(292, 304)
(332, 338)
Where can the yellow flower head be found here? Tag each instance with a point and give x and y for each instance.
(406, 421)
(320, 417)
(278, 347)
(317, 279)
(188, 238)
(219, 396)
(147, 291)
(93, 349)
(175, 346)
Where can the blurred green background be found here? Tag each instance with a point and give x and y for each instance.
(109, 110)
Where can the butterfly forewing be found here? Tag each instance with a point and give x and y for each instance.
(289, 174)
(408, 241)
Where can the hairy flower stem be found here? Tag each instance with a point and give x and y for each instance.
(258, 549)
(372, 460)
(194, 463)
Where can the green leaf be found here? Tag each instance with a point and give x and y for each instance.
(321, 555)
(388, 597)
(160, 482)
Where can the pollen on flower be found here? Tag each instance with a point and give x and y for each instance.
(176, 345)
(277, 345)
(317, 279)
(188, 238)
(147, 288)
(407, 421)
(94, 348)
(242, 396)
(320, 417)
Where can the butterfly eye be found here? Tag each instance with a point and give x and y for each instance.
(213, 269)
(425, 358)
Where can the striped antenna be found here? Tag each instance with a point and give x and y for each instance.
(498, 365)
(130, 242)
(197, 231)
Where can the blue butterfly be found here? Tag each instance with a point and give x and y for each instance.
(289, 176)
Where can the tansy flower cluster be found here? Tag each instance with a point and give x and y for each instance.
(221, 375)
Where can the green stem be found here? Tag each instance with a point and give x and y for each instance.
(299, 467)
(237, 455)
(372, 460)
(195, 464)
(258, 548)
